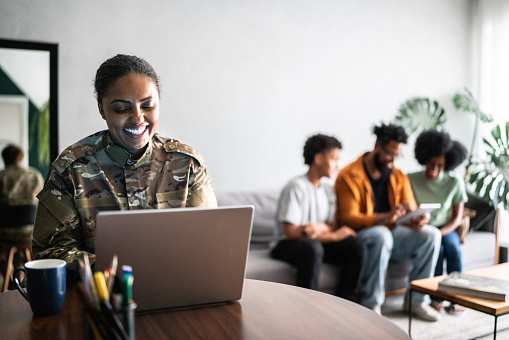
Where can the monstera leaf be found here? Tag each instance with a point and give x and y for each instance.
(419, 114)
(466, 102)
(490, 176)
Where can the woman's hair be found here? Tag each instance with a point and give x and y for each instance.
(317, 144)
(117, 67)
(433, 143)
(386, 133)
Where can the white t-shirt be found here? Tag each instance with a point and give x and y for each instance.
(301, 203)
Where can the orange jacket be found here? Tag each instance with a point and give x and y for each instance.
(355, 204)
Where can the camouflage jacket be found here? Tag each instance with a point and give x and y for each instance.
(95, 174)
(19, 185)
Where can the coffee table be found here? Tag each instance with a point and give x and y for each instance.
(491, 307)
(267, 310)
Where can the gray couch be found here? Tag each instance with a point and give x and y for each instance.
(479, 249)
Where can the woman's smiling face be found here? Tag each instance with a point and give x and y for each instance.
(131, 110)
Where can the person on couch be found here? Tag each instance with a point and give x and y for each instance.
(437, 184)
(307, 233)
(371, 196)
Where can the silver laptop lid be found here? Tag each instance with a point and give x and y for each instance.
(180, 257)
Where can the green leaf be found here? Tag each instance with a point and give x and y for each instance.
(419, 114)
(490, 175)
(467, 103)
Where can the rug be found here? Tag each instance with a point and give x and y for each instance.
(470, 325)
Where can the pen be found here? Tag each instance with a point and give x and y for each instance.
(107, 278)
(116, 296)
(113, 272)
(88, 280)
(127, 284)
(102, 290)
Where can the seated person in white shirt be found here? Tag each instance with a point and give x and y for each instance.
(308, 235)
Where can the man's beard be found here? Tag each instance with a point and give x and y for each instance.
(382, 167)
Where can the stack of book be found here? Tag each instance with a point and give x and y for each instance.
(475, 286)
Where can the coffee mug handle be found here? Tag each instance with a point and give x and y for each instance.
(18, 284)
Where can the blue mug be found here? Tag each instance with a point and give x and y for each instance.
(45, 283)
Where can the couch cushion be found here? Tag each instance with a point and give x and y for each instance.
(265, 203)
(261, 266)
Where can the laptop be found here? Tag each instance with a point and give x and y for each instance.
(184, 257)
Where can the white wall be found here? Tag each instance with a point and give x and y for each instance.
(246, 82)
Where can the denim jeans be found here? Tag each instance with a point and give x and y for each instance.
(450, 250)
(401, 243)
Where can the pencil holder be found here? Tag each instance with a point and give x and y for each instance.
(98, 325)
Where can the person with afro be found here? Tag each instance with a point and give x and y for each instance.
(440, 155)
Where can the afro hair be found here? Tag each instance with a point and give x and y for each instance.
(433, 143)
(386, 133)
(455, 156)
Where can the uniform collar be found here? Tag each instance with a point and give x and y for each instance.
(123, 158)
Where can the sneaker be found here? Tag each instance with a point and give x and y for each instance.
(424, 312)
(438, 306)
(457, 310)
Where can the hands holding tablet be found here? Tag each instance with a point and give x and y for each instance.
(419, 217)
(402, 214)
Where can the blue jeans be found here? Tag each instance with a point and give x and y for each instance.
(450, 250)
(399, 244)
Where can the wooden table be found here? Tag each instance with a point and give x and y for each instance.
(266, 311)
(495, 308)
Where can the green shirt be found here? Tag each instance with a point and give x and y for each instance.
(447, 189)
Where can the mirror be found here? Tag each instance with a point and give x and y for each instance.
(29, 100)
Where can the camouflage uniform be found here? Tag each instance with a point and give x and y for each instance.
(19, 185)
(95, 174)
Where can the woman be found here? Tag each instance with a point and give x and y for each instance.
(128, 166)
(436, 184)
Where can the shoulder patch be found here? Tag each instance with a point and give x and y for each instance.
(173, 145)
(82, 148)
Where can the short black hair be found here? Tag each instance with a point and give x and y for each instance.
(11, 154)
(317, 144)
(119, 66)
(385, 133)
(433, 143)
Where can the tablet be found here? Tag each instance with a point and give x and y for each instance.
(421, 210)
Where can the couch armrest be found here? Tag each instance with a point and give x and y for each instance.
(486, 218)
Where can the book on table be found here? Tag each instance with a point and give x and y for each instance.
(475, 286)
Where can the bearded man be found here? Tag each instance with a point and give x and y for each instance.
(371, 196)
